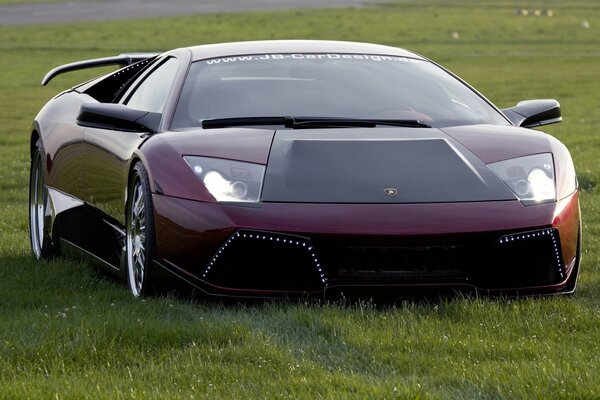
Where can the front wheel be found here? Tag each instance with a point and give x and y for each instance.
(140, 233)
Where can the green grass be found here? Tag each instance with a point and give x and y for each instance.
(12, 2)
(67, 331)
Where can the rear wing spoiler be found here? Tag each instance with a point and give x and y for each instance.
(122, 60)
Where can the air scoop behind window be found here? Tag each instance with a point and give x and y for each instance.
(392, 165)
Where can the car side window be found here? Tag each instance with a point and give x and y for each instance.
(151, 94)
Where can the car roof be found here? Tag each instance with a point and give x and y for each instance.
(295, 46)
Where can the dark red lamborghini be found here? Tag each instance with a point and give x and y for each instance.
(302, 168)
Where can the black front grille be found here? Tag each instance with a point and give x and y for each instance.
(488, 260)
(274, 261)
(425, 262)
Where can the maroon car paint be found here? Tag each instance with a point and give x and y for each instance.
(182, 224)
(62, 142)
(567, 220)
(492, 143)
(106, 156)
(250, 145)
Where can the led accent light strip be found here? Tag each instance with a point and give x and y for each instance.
(267, 236)
(533, 234)
(123, 70)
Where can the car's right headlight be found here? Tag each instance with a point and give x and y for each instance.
(229, 180)
(531, 178)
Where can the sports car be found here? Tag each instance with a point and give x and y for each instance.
(278, 169)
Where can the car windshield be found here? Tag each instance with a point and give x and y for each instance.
(328, 85)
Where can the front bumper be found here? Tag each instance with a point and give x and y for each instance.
(397, 250)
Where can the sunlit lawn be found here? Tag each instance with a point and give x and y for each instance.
(67, 331)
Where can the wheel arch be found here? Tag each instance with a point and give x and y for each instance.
(35, 136)
(135, 158)
(132, 162)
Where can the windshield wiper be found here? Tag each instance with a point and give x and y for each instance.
(242, 121)
(311, 122)
(341, 122)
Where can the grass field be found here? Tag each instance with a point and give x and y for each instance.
(67, 331)
(12, 2)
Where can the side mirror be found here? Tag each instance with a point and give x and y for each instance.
(532, 113)
(117, 117)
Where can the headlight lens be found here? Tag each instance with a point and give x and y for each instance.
(229, 180)
(531, 178)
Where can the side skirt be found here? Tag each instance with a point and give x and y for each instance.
(71, 250)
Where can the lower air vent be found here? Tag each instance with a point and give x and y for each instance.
(531, 258)
(266, 261)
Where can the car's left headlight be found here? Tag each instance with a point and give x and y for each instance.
(531, 178)
(229, 180)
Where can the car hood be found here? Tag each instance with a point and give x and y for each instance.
(383, 165)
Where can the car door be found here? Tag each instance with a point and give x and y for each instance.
(108, 152)
(63, 144)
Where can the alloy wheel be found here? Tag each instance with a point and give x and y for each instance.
(136, 237)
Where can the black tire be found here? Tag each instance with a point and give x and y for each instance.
(140, 236)
(41, 243)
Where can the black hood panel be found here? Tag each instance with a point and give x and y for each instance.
(376, 165)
